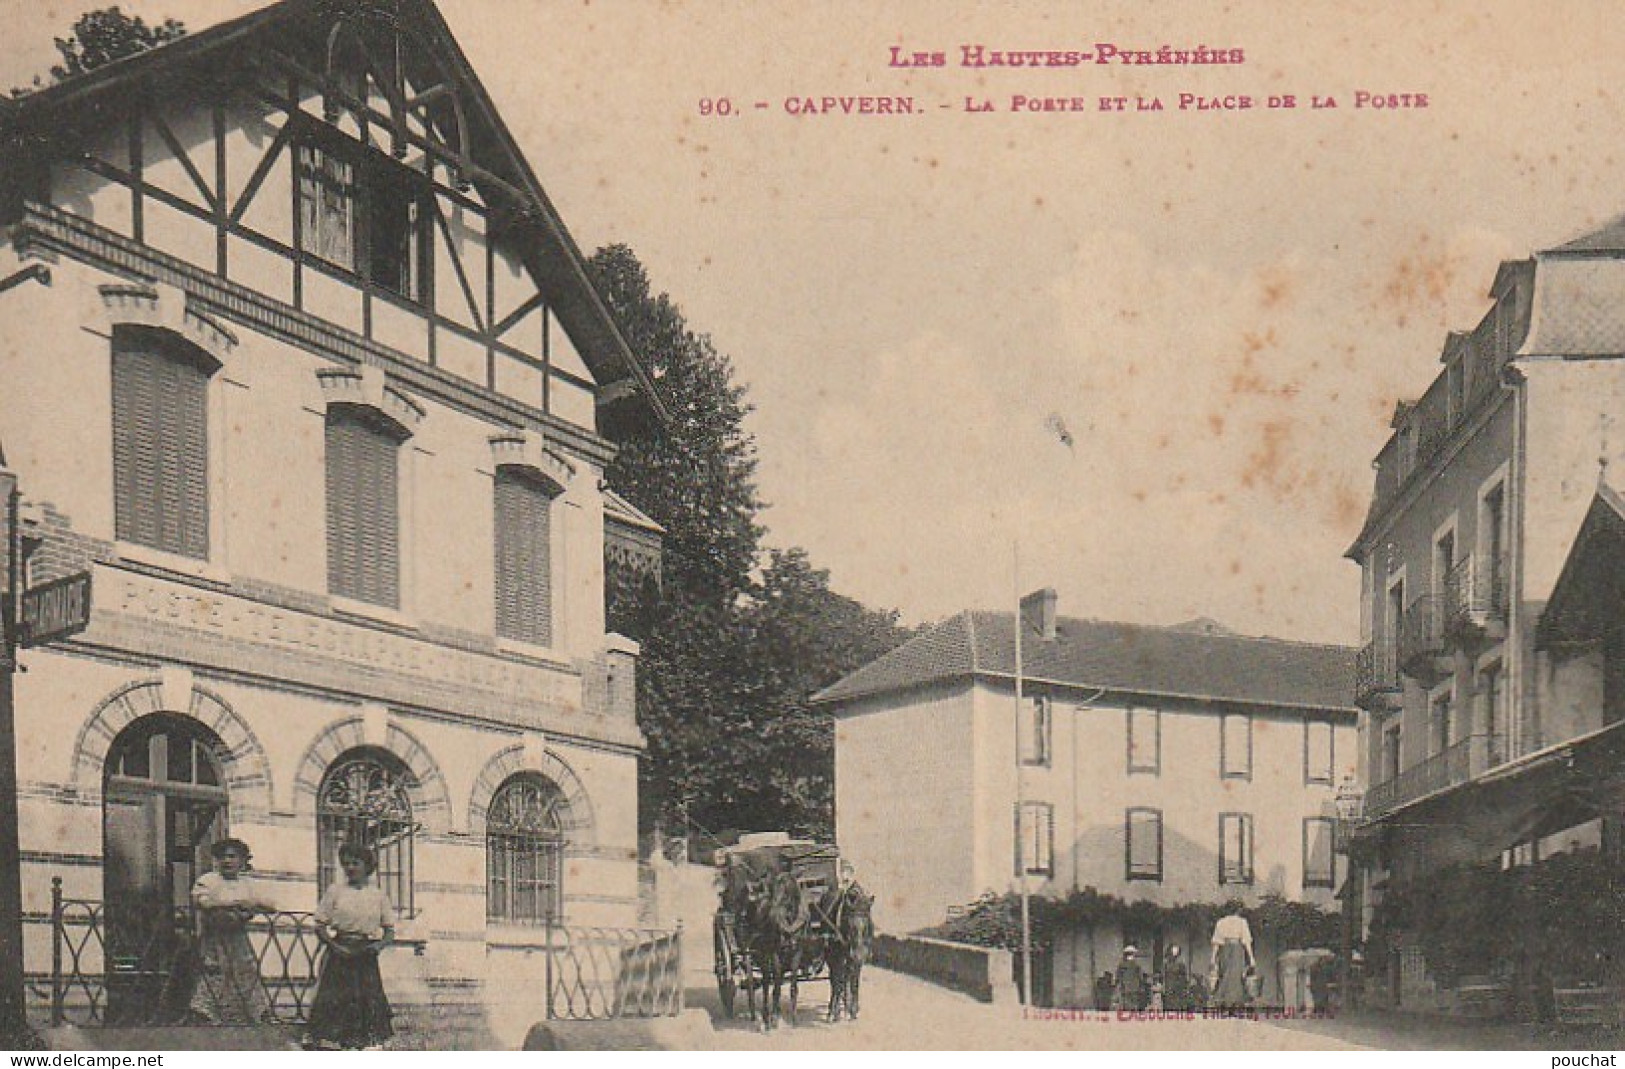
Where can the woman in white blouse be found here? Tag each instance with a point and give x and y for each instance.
(355, 921)
(229, 989)
(1232, 957)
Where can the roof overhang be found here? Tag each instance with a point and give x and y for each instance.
(1537, 795)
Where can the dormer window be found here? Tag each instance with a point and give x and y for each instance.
(363, 213)
(1455, 389)
(1504, 309)
(1407, 449)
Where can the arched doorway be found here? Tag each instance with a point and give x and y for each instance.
(164, 804)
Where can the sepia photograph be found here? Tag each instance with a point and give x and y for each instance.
(689, 525)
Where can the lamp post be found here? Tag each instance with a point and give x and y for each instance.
(1349, 802)
(1021, 807)
(13, 1017)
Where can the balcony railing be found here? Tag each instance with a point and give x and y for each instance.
(1475, 594)
(1457, 763)
(1421, 639)
(1376, 673)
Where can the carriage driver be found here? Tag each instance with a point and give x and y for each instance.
(838, 893)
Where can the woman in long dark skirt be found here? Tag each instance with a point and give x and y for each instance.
(1232, 958)
(354, 922)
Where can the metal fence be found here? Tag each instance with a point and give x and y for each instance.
(143, 979)
(596, 974)
(592, 973)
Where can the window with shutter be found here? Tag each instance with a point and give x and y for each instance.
(1318, 756)
(1319, 862)
(1144, 740)
(160, 442)
(1236, 746)
(1142, 830)
(363, 506)
(1235, 848)
(524, 586)
(1035, 838)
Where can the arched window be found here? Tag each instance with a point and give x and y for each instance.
(364, 799)
(161, 441)
(524, 852)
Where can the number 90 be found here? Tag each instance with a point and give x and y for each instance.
(717, 106)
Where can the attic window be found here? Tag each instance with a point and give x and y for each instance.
(363, 215)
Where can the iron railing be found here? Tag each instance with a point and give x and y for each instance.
(1421, 637)
(87, 975)
(1376, 671)
(1475, 592)
(592, 973)
(1457, 763)
(596, 974)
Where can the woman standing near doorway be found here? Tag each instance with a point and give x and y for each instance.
(354, 921)
(229, 989)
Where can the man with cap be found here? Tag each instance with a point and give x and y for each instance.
(1131, 985)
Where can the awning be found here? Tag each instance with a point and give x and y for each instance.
(1538, 795)
(632, 541)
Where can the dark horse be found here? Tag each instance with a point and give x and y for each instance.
(775, 923)
(851, 935)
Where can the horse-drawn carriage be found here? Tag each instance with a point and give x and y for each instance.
(778, 921)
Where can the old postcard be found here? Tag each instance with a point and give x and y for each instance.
(774, 526)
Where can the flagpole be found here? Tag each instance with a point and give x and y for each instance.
(1021, 798)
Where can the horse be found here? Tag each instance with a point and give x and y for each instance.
(851, 937)
(775, 918)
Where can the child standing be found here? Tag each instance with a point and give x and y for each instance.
(354, 922)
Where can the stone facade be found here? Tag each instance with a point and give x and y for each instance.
(174, 216)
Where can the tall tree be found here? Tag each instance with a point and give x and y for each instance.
(695, 475)
(805, 636)
(107, 34)
(728, 661)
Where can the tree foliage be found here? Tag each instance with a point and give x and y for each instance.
(995, 920)
(100, 37)
(730, 654)
(106, 34)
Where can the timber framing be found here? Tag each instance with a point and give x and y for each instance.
(46, 229)
(392, 70)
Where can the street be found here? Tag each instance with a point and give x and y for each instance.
(903, 1013)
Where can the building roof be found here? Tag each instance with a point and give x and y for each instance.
(500, 170)
(1610, 237)
(1586, 602)
(1579, 306)
(1199, 663)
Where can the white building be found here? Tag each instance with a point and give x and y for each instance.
(311, 386)
(1173, 765)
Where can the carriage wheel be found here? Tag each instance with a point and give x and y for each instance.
(725, 965)
(726, 992)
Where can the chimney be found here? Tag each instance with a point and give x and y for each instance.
(1038, 611)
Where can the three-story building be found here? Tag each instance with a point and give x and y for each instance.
(306, 372)
(1170, 765)
(1481, 492)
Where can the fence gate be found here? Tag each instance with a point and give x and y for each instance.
(596, 974)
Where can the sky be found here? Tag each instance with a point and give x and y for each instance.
(1144, 357)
